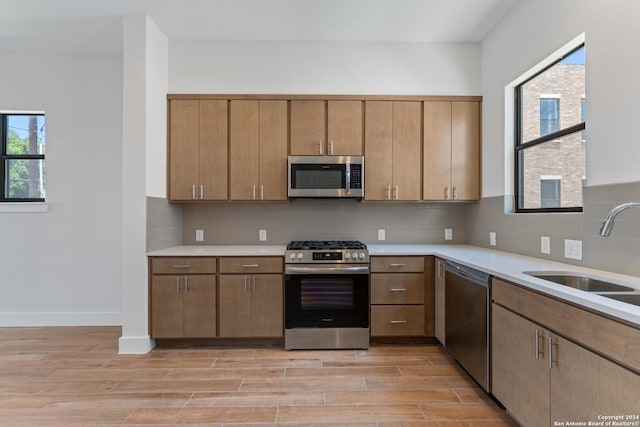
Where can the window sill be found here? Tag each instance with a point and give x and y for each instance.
(24, 207)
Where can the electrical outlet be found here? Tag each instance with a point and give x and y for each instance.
(492, 238)
(448, 234)
(545, 244)
(262, 235)
(199, 235)
(573, 249)
(381, 234)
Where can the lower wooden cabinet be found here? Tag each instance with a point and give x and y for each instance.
(543, 377)
(439, 292)
(251, 305)
(402, 298)
(183, 306)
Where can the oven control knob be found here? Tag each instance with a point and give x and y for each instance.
(300, 256)
(347, 256)
(354, 256)
(292, 256)
(361, 255)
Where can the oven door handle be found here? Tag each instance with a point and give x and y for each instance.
(326, 270)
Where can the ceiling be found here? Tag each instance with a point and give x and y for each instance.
(96, 25)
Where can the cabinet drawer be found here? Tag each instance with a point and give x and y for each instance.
(248, 265)
(397, 264)
(397, 288)
(397, 320)
(183, 265)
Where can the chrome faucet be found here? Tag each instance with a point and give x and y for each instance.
(607, 225)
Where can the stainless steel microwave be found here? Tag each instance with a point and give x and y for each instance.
(326, 176)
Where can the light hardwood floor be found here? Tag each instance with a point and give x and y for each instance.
(73, 376)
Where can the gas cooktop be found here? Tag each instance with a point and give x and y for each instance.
(306, 245)
(326, 251)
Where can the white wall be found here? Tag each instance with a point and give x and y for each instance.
(63, 266)
(290, 67)
(534, 30)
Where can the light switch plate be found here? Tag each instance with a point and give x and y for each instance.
(573, 249)
(545, 244)
(262, 234)
(381, 234)
(448, 234)
(199, 235)
(492, 238)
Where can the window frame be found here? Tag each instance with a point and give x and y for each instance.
(4, 157)
(520, 146)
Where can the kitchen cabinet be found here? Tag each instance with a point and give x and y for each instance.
(197, 150)
(251, 297)
(439, 296)
(549, 365)
(401, 296)
(332, 127)
(258, 150)
(451, 150)
(392, 150)
(183, 297)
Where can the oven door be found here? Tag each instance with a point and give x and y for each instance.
(326, 296)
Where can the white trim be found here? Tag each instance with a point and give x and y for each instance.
(60, 319)
(24, 207)
(550, 96)
(550, 177)
(135, 345)
(21, 112)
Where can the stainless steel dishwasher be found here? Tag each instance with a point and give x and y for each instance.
(467, 320)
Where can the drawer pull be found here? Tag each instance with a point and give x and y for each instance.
(397, 265)
(397, 321)
(250, 265)
(327, 320)
(182, 266)
(398, 290)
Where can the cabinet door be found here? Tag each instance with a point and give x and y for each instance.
(520, 374)
(266, 306)
(235, 305)
(465, 150)
(244, 149)
(184, 140)
(200, 306)
(585, 385)
(406, 151)
(273, 150)
(378, 150)
(439, 301)
(437, 151)
(307, 127)
(167, 299)
(344, 128)
(213, 158)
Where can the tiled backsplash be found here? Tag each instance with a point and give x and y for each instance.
(520, 233)
(238, 223)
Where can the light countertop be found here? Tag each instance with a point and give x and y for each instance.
(505, 265)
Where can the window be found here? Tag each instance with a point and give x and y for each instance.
(550, 114)
(22, 151)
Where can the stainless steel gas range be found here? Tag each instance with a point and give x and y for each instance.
(326, 295)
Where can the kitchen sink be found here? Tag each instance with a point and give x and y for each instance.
(631, 298)
(577, 281)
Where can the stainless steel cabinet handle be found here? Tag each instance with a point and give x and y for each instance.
(254, 192)
(455, 194)
(250, 265)
(262, 192)
(193, 191)
(397, 265)
(537, 344)
(388, 193)
(245, 284)
(182, 266)
(331, 147)
(320, 145)
(254, 284)
(398, 321)
(201, 191)
(550, 352)
(177, 285)
(446, 193)
(186, 283)
(398, 290)
(395, 191)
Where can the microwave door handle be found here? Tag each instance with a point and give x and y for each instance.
(347, 175)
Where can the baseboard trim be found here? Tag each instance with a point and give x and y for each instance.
(60, 319)
(135, 345)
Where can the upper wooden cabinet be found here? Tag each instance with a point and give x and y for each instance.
(258, 150)
(332, 127)
(392, 150)
(197, 150)
(451, 163)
